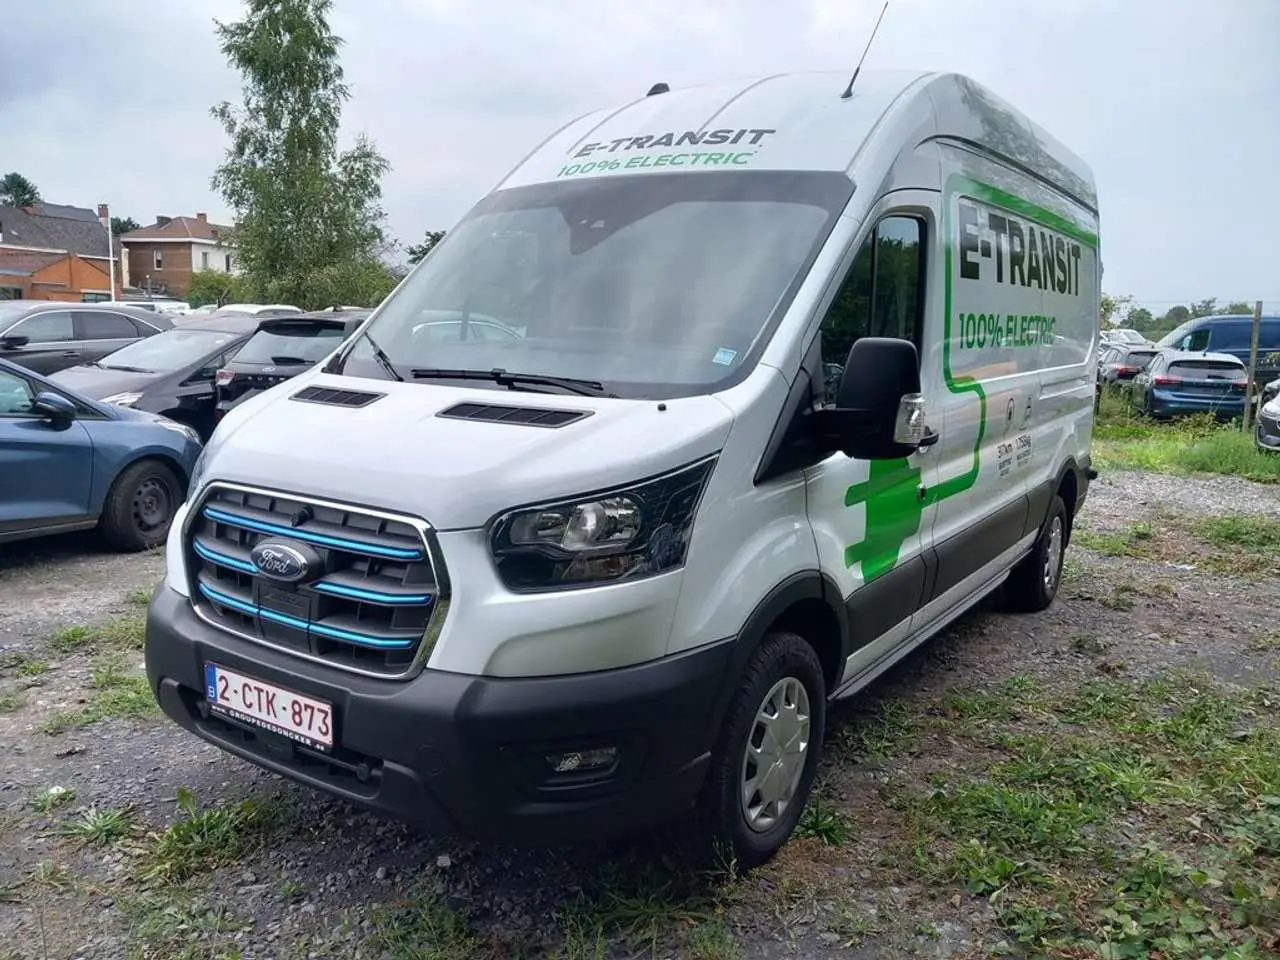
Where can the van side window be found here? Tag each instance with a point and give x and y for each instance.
(1195, 340)
(882, 295)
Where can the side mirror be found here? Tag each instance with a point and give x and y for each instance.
(54, 406)
(13, 343)
(879, 408)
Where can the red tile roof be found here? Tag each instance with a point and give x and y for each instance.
(179, 228)
(21, 263)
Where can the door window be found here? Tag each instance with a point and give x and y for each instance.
(15, 395)
(882, 295)
(100, 325)
(1195, 340)
(53, 326)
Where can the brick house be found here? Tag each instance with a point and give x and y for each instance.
(160, 258)
(50, 251)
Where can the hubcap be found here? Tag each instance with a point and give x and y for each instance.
(777, 747)
(152, 505)
(1053, 555)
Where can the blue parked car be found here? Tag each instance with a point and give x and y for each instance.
(1179, 382)
(71, 463)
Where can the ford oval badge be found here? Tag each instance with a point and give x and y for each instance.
(284, 561)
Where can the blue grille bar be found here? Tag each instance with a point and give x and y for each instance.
(324, 630)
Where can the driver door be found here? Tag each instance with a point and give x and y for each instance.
(870, 519)
(45, 468)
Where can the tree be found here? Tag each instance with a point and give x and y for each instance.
(1111, 307)
(1238, 308)
(1204, 308)
(1139, 318)
(121, 225)
(1175, 316)
(214, 286)
(419, 250)
(305, 212)
(17, 191)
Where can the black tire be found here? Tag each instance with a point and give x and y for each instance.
(781, 657)
(1033, 583)
(140, 506)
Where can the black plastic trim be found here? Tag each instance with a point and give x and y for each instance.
(545, 417)
(974, 548)
(878, 606)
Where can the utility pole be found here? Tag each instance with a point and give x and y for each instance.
(1253, 366)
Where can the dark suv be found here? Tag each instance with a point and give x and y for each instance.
(48, 335)
(281, 348)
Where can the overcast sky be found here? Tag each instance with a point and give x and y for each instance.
(1174, 103)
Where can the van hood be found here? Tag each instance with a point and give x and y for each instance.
(397, 453)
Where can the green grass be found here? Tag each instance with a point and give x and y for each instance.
(115, 691)
(101, 827)
(1133, 541)
(1112, 820)
(11, 701)
(1255, 534)
(422, 927)
(201, 839)
(1123, 440)
(31, 667)
(124, 632)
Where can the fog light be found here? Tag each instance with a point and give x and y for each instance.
(583, 761)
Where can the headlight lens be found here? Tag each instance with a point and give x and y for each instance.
(197, 473)
(122, 399)
(181, 428)
(619, 534)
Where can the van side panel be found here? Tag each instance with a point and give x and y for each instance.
(1020, 338)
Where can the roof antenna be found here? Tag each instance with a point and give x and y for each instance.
(848, 91)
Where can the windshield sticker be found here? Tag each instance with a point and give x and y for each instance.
(724, 356)
(644, 161)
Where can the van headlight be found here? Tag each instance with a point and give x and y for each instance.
(617, 534)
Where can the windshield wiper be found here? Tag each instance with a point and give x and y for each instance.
(107, 366)
(513, 381)
(380, 355)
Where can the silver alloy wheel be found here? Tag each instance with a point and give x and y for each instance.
(1053, 555)
(775, 755)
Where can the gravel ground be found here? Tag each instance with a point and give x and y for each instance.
(322, 880)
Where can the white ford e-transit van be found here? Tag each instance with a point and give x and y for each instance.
(718, 405)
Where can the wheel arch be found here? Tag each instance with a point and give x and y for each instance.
(807, 604)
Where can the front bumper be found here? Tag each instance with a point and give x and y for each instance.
(459, 754)
(1266, 432)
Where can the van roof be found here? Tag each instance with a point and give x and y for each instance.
(799, 121)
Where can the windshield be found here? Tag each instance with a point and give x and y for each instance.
(653, 285)
(168, 351)
(295, 342)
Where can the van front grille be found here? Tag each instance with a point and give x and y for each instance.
(371, 597)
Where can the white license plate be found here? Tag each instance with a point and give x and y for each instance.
(268, 706)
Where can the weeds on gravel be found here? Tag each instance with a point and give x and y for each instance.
(100, 827)
(1134, 541)
(115, 690)
(119, 633)
(1115, 820)
(422, 927)
(11, 701)
(203, 839)
(823, 821)
(176, 926)
(49, 800)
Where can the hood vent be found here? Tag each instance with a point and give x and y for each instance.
(522, 416)
(336, 398)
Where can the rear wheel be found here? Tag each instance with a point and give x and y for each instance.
(764, 763)
(1033, 583)
(140, 506)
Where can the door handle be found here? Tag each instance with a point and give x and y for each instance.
(70, 354)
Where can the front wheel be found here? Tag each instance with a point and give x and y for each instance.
(767, 755)
(140, 506)
(1033, 583)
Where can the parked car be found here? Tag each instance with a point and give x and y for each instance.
(1179, 382)
(68, 462)
(47, 335)
(1231, 335)
(1120, 364)
(1123, 336)
(1269, 392)
(262, 309)
(171, 374)
(281, 348)
(157, 305)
